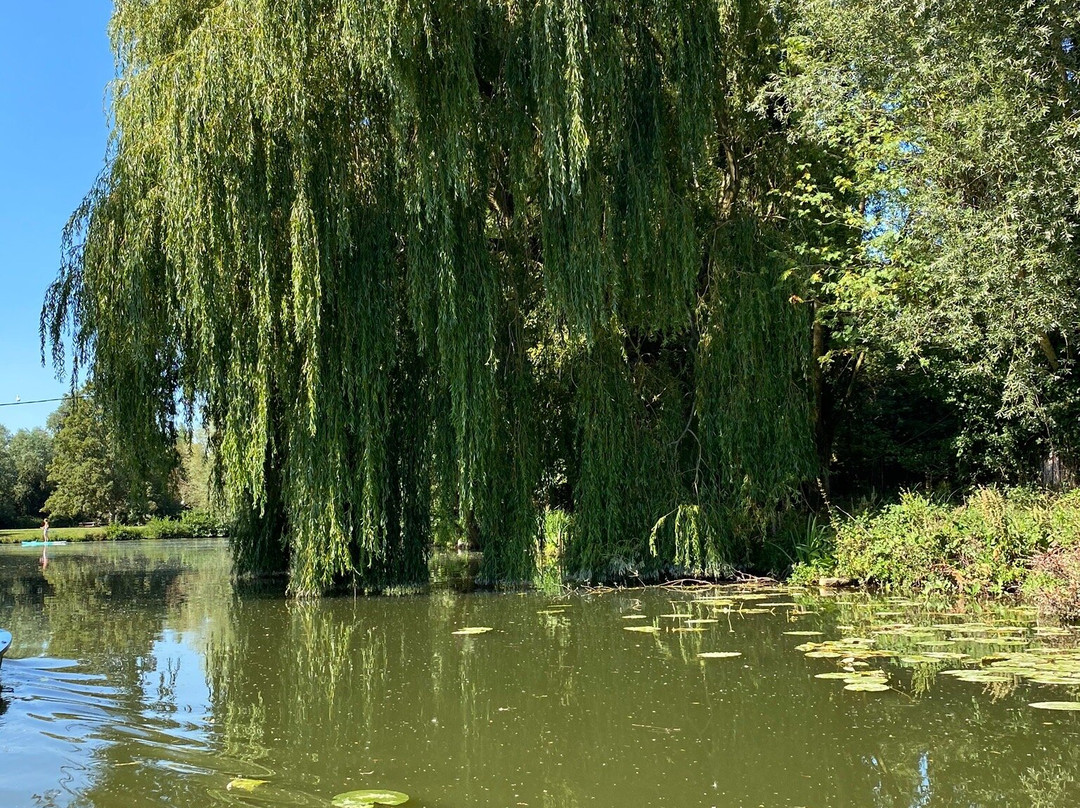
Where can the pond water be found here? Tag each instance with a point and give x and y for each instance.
(139, 676)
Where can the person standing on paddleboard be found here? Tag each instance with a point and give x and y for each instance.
(45, 546)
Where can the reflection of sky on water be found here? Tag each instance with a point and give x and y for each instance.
(49, 732)
(174, 689)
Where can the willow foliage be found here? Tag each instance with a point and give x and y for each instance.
(407, 257)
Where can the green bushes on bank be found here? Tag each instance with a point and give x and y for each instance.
(996, 542)
(193, 524)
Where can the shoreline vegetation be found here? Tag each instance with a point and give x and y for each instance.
(996, 543)
(660, 280)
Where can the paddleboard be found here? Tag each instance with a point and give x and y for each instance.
(39, 543)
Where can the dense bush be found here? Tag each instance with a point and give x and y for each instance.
(195, 524)
(191, 524)
(984, 546)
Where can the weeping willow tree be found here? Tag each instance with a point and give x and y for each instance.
(416, 257)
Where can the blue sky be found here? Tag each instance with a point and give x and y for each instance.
(55, 65)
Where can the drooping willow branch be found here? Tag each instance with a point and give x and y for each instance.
(415, 257)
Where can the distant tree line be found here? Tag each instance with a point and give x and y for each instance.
(78, 469)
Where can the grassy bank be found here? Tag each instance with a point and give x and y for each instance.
(994, 543)
(16, 535)
(191, 524)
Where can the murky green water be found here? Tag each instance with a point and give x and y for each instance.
(139, 677)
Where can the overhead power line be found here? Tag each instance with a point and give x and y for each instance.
(37, 401)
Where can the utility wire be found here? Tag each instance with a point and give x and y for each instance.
(38, 401)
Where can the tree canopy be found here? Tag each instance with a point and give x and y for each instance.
(96, 472)
(957, 129)
(24, 485)
(416, 257)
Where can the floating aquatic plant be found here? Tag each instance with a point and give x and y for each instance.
(474, 630)
(719, 654)
(867, 687)
(369, 798)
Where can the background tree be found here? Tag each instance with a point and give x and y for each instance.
(97, 474)
(7, 478)
(31, 452)
(958, 126)
(196, 466)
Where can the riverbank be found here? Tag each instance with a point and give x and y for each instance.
(17, 535)
(192, 524)
(1016, 542)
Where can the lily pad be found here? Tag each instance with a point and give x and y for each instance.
(803, 633)
(919, 659)
(473, 630)
(244, 784)
(719, 654)
(642, 629)
(634, 616)
(867, 687)
(1051, 631)
(1070, 706)
(368, 798)
(747, 596)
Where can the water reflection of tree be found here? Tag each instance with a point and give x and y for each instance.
(331, 690)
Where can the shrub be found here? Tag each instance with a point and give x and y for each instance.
(191, 524)
(122, 532)
(200, 524)
(984, 546)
